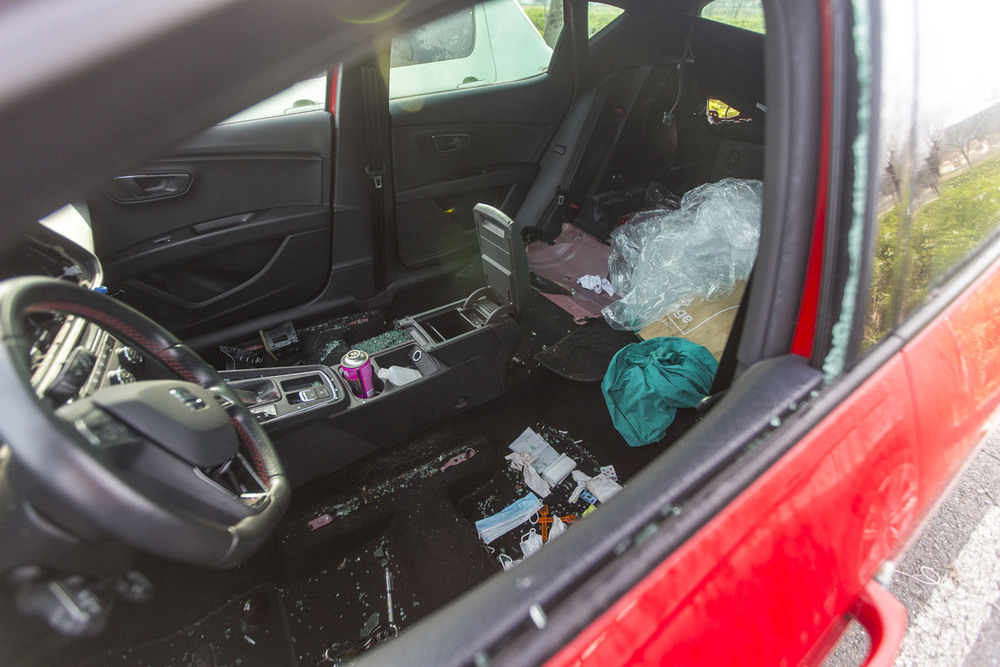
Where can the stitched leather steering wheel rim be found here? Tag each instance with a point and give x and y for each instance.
(79, 476)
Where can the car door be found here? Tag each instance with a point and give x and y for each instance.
(474, 99)
(233, 224)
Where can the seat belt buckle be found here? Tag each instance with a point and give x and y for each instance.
(376, 174)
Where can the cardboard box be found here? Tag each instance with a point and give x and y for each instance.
(704, 322)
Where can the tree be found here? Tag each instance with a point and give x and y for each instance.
(931, 172)
(892, 175)
(966, 134)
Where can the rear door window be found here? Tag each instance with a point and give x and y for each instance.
(490, 43)
(307, 95)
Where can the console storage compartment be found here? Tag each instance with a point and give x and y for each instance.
(462, 352)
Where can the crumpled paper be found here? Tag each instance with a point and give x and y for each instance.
(596, 284)
(522, 461)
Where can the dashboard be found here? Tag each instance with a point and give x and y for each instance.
(71, 357)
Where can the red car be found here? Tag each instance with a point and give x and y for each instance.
(228, 486)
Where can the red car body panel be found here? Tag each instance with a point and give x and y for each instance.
(769, 580)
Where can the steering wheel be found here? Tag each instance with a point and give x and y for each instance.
(176, 467)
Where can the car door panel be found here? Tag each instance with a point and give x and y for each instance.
(198, 280)
(444, 163)
(234, 224)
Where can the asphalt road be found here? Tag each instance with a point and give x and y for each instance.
(949, 580)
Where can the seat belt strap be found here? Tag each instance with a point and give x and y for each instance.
(686, 56)
(375, 98)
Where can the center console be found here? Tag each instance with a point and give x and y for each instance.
(457, 356)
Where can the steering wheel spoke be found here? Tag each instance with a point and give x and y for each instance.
(102, 430)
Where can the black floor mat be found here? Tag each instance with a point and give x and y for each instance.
(251, 629)
(397, 516)
(583, 355)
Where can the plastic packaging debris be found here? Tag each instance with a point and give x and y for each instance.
(647, 382)
(610, 472)
(531, 542)
(596, 284)
(558, 527)
(522, 461)
(550, 464)
(659, 196)
(702, 249)
(603, 487)
(508, 518)
(507, 562)
(587, 512)
(399, 375)
(558, 470)
(581, 480)
(599, 487)
(552, 525)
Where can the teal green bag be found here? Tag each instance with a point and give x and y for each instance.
(647, 382)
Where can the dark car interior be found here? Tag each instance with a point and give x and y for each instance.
(271, 248)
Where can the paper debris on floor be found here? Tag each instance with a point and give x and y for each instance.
(550, 464)
(597, 284)
(521, 461)
(599, 488)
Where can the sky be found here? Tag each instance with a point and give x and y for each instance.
(959, 58)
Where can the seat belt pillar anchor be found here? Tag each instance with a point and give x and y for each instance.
(376, 173)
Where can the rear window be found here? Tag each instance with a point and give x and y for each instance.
(448, 38)
(599, 15)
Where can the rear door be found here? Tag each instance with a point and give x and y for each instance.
(474, 99)
(233, 224)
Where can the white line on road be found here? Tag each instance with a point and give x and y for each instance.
(945, 631)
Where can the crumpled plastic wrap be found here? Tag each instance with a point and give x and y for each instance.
(660, 258)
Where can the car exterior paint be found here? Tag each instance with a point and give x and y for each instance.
(774, 574)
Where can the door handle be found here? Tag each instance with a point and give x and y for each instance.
(471, 82)
(147, 187)
(451, 143)
(884, 618)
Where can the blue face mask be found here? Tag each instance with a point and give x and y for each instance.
(508, 518)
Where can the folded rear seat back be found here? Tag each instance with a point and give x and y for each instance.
(616, 120)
